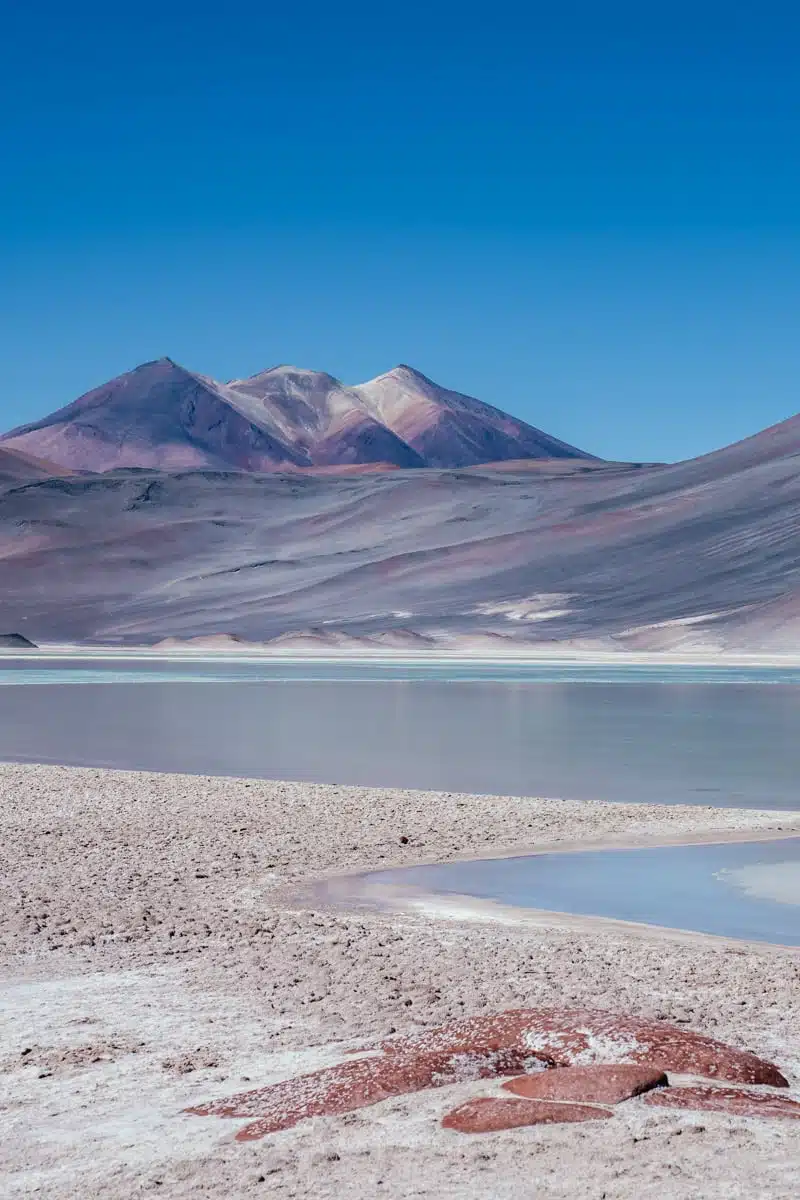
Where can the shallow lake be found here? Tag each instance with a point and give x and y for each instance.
(742, 890)
(724, 736)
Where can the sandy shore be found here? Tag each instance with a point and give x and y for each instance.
(157, 952)
(454, 651)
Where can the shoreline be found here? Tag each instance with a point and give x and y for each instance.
(159, 948)
(451, 906)
(531, 655)
(644, 841)
(361, 889)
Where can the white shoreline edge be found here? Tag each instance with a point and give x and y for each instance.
(439, 906)
(531, 656)
(354, 890)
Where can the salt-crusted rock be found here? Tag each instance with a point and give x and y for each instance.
(488, 1114)
(359, 1083)
(582, 1037)
(603, 1058)
(734, 1101)
(597, 1084)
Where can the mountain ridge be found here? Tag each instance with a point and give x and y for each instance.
(163, 415)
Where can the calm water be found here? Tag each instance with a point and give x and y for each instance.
(727, 889)
(723, 736)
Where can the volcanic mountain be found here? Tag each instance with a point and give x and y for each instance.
(162, 416)
(700, 553)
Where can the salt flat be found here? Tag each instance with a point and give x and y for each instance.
(161, 945)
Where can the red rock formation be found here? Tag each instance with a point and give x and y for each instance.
(604, 1059)
(597, 1085)
(357, 1084)
(581, 1037)
(734, 1101)
(488, 1114)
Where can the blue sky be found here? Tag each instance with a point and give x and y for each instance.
(587, 214)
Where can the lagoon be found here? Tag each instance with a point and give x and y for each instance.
(725, 736)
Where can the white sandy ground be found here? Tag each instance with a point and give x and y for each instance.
(154, 953)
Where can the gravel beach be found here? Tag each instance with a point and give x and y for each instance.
(162, 945)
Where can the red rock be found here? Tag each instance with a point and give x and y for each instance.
(359, 1083)
(581, 1037)
(488, 1115)
(734, 1101)
(598, 1084)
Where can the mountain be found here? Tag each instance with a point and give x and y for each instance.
(449, 429)
(699, 554)
(162, 416)
(158, 415)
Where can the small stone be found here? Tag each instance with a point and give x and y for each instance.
(736, 1102)
(489, 1115)
(602, 1084)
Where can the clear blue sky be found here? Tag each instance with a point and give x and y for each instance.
(587, 213)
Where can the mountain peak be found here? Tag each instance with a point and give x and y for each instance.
(164, 361)
(157, 369)
(403, 373)
(451, 429)
(290, 373)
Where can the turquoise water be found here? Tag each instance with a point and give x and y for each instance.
(17, 670)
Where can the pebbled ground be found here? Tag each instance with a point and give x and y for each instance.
(153, 958)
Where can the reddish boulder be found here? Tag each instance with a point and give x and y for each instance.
(488, 1115)
(734, 1101)
(581, 1037)
(597, 1085)
(357, 1084)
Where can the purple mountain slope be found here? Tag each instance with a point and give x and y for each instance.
(701, 553)
(16, 464)
(161, 415)
(158, 415)
(324, 419)
(449, 429)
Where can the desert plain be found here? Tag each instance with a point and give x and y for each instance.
(169, 940)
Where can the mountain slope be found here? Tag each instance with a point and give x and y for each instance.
(323, 418)
(158, 415)
(161, 415)
(16, 464)
(703, 553)
(449, 429)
